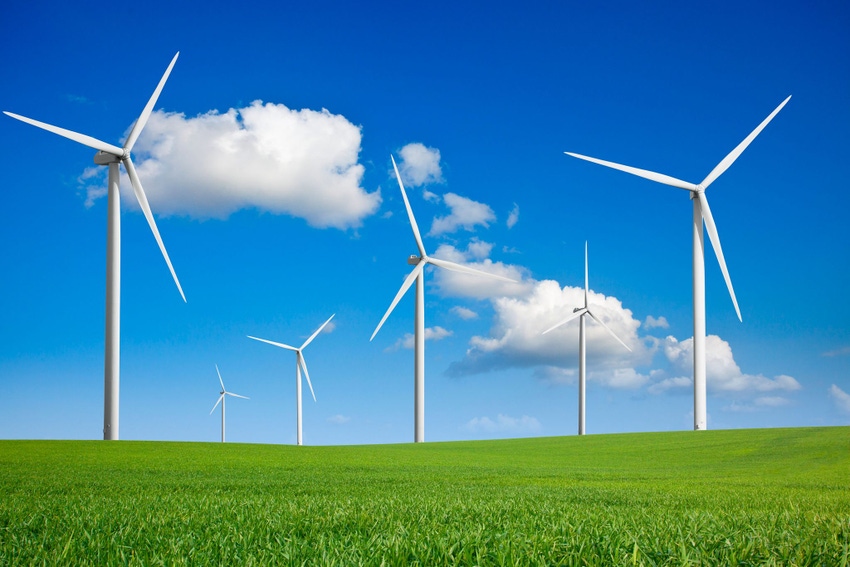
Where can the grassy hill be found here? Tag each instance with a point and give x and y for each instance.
(779, 496)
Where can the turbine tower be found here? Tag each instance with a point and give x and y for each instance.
(221, 399)
(300, 364)
(419, 263)
(701, 213)
(111, 156)
(581, 312)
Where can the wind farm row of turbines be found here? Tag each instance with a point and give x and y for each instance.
(111, 156)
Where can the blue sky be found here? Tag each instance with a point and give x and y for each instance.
(267, 164)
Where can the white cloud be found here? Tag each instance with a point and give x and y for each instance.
(759, 404)
(456, 284)
(464, 213)
(464, 313)
(653, 323)
(513, 216)
(841, 398)
(843, 351)
(722, 373)
(516, 337)
(302, 163)
(677, 384)
(431, 334)
(339, 419)
(420, 165)
(503, 424)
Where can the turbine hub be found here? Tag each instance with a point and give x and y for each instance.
(105, 158)
(413, 259)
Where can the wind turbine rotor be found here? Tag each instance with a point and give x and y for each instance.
(646, 174)
(576, 314)
(281, 345)
(464, 269)
(315, 334)
(408, 281)
(410, 216)
(303, 364)
(146, 112)
(604, 326)
(739, 149)
(93, 143)
(714, 237)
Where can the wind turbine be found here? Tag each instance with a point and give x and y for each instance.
(111, 156)
(581, 312)
(702, 213)
(300, 364)
(221, 400)
(419, 315)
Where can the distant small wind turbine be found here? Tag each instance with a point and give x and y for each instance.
(701, 213)
(582, 350)
(111, 156)
(221, 400)
(300, 364)
(419, 315)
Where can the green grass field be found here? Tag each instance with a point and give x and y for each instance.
(750, 497)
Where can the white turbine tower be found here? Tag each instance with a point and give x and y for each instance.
(111, 156)
(702, 213)
(221, 399)
(300, 364)
(419, 315)
(581, 312)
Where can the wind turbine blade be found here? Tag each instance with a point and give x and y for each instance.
(465, 269)
(410, 216)
(585, 275)
(146, 113)
(411, 277)
(221, 397)
(578, 313)
(718, 251)
(651, 175)
(303, 364)
(319, 330)
(146, 208)
(220, 381)
(604, 326)
(237, 396)
(733, 155)
(281, 345)
(93, 143)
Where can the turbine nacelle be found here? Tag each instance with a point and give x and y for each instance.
(106, 158)
(413, 259)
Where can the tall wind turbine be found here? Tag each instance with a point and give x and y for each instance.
(111, 156)
(300, 364)
(221, 399)
(581, 312)
(702, 213)
(419, 315)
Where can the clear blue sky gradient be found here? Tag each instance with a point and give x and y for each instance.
(502, 91)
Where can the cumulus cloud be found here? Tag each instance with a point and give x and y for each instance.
(456, 284)
(652, 323)
(840, 397)
(302, 163)
(420, 165)
(431, 334)
(464, 213)
(503, 424)
(513, 216)
(516, 340)
(722, 373)
(464, 313)
(339, 419)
